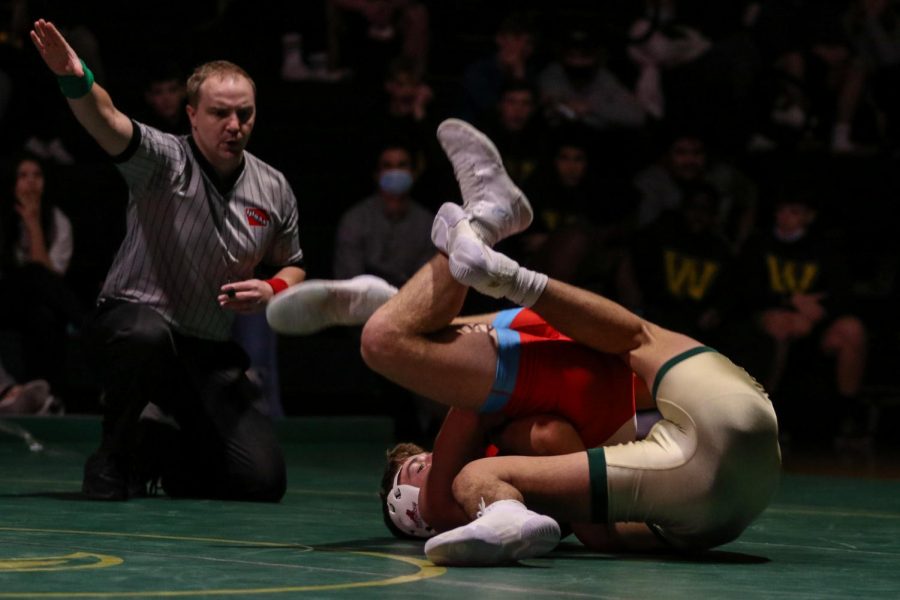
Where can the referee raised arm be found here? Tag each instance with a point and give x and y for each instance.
(91, 104)
(204, 218)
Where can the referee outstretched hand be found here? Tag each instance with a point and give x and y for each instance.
(55, 50)
(245, 297)
(89, 102)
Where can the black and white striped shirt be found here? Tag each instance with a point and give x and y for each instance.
(186, 238)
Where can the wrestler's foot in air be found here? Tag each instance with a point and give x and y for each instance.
(449, 217)
(317, 304)
(505, 531)
(493, 203)
(474, 264)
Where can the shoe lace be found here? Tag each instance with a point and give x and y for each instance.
(481, 508)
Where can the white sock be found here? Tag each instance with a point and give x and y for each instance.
(527, 287)
(493, 274)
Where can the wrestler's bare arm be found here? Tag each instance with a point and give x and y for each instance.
(462, 439)
(606, 326)
(558, 486)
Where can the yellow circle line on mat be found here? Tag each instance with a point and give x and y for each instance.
(153, 536)
(58, 563)
(426, 570)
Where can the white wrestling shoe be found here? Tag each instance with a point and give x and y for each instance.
(447, 217)
(505, 531)
(316, 304)
(496, 207)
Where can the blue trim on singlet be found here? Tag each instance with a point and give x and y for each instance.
(507, 372)
(504, 318)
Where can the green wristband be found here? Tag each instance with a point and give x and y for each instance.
(76, 87)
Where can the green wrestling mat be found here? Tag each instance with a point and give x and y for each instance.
(823, 537)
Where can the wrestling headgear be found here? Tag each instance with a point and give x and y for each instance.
(403, 508)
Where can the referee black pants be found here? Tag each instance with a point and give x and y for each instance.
(224, 447)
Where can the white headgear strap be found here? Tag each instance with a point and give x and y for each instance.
(403, 508)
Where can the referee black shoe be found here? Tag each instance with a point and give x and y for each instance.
(111, 477)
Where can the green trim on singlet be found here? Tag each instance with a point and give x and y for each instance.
(674, 361)
(599, 490)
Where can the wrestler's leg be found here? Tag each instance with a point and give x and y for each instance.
(571, 488)
(584, 316)
(407, 341)
(493, 492)
(493, 208)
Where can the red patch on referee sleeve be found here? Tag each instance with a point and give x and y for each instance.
(256, 217)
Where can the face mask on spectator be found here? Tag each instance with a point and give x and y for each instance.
(396, 181)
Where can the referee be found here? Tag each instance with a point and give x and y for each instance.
(203, 215)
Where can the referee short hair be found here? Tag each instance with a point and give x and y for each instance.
(215, 68)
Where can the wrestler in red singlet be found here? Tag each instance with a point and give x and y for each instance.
(541, 371)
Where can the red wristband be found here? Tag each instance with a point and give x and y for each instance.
(277, 284)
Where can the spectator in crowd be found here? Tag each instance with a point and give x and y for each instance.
(659, 42)
(166, 97)
(797, 284)
(693, 64)
(517, 129)
(37, 245)
(582, 221)
(485, 79)
(874, 27)
(685, 161)
(678, 270)
(366, 35)
(579, 88)
(388, 233)
(304, 41)
(253, 334)
(821, 79)
(403, 111)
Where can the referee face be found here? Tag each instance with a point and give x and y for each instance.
(222, 122)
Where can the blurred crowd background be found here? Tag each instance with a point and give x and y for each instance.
(726, 168)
